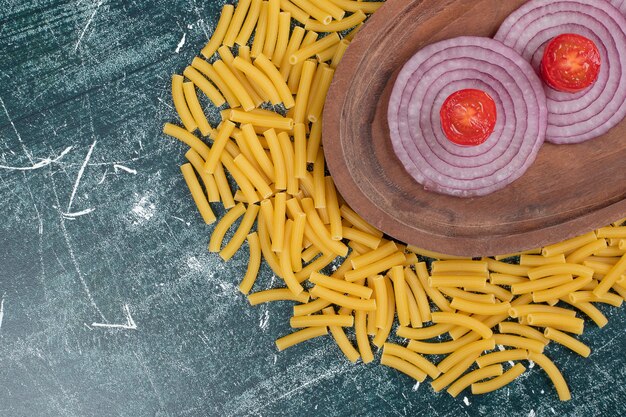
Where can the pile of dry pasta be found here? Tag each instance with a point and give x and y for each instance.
(303, 225)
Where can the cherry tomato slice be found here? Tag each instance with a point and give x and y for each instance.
(570, 63)
(468, 117)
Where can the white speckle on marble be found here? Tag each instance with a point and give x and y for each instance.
(143, 210)
(531, 364)
(2, 310)
(542, 391)
(466, 401)
(265, 320)
(181, 43)
(416, 386)
(119, 167)
(194, 264)
(532, 413)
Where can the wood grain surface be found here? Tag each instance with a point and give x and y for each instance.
(569, 190)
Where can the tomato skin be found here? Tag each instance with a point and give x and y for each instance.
(468, 117)
(570, 63)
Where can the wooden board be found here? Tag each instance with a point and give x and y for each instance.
(569, 190)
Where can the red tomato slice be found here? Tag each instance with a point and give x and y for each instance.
(570, 63)
(468, 117)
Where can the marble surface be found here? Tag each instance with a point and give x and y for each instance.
(111, 304)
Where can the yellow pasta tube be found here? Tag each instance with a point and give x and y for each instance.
(316, 105)
(587, 250)
(264, 64)
(537, 260)
(297, 235)
(558, 269)
(459, 265)
(502, 356)
(335, 11)
(310, 307)
(203, 84)
(296, 70)
(188, 138)
(304, 91)
(181, 105)
(557, 321)
(198, 195)
(470, 378)
(284, 259)
(327, 54)
(453, 374)
(519, 342)
(208, 70)
(340, 285)
(540, 284)
(536, 251)
(257, 150)
(612, 232)
(561, 290)
(282, 40)
(297, 36)
(266, 250)
(509, 327)
(524, 310)
(316, 265)
(363, 238)
(307, 52)
(343, 300)
(321, 320)
(363, 342)
(423, 333)
(436, 348)
(196, 109)
(287, 149)
(246, 187)
(320, 230)
(278, 222)
(259, 78)
(403, 366)
(588, 296)
(319, 185)
(418, 293)
(569, 245)
(431, 254)
(457, 292)
(341, 339)
(499, 381)
(223, 136)
(253, 175)
(240, 235)
(254, 263)
(381, 301)
(223, 187)
(219, 32)
(567, 341)
(238, 89)
(332, 206)
(271, 34)
(433, 293)
(414, 358)
(316, 12)
(553, 372)
(339, 53)
(381, 252)
(296, 12)
(209, 181)
(249, 24)
(611, 277)
(261, 31)
(480, 308)
(236, 22)
(505, 268)
(300, 336)
(401, 296)
(276, 294)
(462, 320)
(339, 25)
(504, 279)
(383, 333)
(376, 267)
(478, 346)
(215, 243)
(473, 282)
(356, 5)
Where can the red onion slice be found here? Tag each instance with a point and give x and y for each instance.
(575, 118)
(422, 86)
